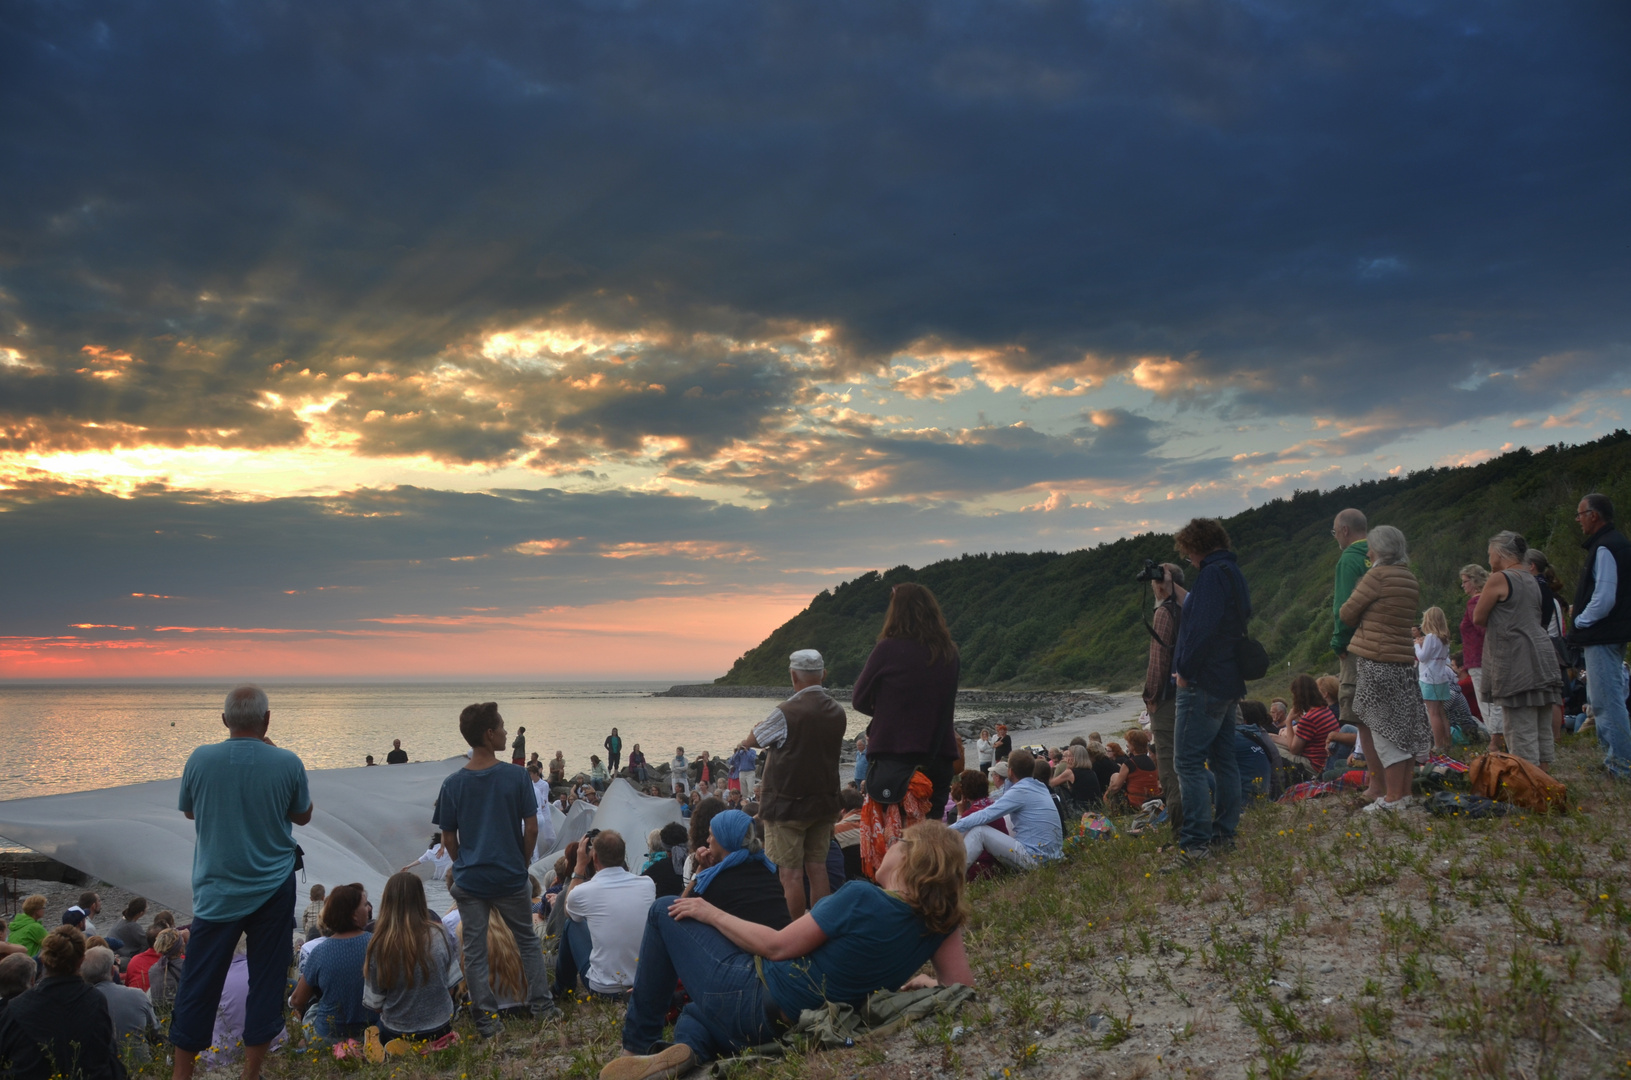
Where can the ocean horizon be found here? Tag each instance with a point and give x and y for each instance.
(60, 736)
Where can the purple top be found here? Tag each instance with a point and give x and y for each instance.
(907, 699)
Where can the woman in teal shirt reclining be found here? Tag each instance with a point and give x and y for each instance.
(748, 983)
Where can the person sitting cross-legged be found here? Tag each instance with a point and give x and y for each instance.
(748, 982)
(601, 939)
(1038, 835)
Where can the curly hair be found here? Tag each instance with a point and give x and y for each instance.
(932, 876)
(63, 950)
(1201, 537)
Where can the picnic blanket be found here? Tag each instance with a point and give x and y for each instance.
(834, 1026)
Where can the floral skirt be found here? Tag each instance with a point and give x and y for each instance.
(1387, 699)
(882, 825)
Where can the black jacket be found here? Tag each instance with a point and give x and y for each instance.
(59, 1028)
(1615, 628)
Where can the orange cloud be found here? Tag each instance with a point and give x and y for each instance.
(690, 636)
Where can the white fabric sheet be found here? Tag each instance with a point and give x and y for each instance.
(366, 824)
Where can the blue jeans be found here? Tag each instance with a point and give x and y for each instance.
(1605, 687)
(516, 911)
(572, 963)
(729, 1006)
(209, 954)
(1204, 735)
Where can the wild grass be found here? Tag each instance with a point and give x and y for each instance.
(1329, 943)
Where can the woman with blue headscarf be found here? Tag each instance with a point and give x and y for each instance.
(739, 879)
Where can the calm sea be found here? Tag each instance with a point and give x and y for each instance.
(56, 738)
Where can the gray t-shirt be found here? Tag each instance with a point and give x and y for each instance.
(132, 1015)
(424, 1006)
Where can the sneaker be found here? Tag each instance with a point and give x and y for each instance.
(546, 1011)
(1382, 806)
(670, 1062)
(1187, 860)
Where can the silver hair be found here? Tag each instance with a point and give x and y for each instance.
(98, 965)
(1510, 544)
(246, 707)
(1387, 547)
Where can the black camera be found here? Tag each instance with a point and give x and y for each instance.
(1153, 571)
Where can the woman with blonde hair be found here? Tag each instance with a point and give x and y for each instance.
(748, 982)
(1434, 674)
(1387, 700)
(26, 928)
(410, 967)
(164, 977)
(1473, 577)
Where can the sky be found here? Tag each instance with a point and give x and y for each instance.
(592, 339)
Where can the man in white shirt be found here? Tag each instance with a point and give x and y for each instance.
(679, 775)
(605, 919)
(1038, 836)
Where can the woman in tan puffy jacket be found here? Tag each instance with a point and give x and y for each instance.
(1388, 708)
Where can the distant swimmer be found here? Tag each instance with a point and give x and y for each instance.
(397, 756)
(518, 748)
(369, 762)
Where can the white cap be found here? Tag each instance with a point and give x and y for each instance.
(806, 660)
(1001, 769)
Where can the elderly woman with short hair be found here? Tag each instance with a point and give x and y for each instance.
(1387, 699)
(1520, 668)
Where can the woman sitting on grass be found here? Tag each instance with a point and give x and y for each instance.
(748, 983)
(333, 972)
(410, 966)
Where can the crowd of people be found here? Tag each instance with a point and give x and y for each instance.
(783, 886)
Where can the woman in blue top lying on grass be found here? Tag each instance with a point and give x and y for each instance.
(748, 982)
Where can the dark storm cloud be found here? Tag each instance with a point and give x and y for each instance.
(1308, 205)
(100, 566)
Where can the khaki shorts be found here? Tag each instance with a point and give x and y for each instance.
(1347, 680)
(797, 843)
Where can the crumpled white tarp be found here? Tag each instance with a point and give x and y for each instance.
(622, 808)
(367, 824)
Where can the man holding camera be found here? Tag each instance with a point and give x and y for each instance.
(1160, 694)
(1210, 686)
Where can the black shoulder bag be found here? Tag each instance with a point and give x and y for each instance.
(1250, 657)
(887, 779)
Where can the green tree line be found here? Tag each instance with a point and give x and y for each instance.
(1052, 620)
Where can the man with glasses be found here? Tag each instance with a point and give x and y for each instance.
(1602, 626)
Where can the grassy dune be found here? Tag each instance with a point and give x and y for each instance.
(1329, 944)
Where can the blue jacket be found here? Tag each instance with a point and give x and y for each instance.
(1215, 615)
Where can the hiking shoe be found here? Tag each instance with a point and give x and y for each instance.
(1382, 806)
(1187, 860)
(546, 1011)
(670, 1062)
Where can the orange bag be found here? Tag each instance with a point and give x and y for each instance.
(1506, 778)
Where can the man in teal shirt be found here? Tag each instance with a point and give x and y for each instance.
(1350, 530)
(244, 794)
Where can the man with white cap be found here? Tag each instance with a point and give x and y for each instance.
(798, 800)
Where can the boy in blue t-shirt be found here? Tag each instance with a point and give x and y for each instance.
(488, 814)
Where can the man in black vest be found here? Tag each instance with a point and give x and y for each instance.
(1602, 626)
(798, 791)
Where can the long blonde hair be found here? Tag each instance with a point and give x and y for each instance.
(504, 973)
(1434, 622)
(932, 876)
(399, 952)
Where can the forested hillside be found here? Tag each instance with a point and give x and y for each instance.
(1054, 620)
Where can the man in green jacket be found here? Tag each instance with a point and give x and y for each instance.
(26, 928)
(1350, 530)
